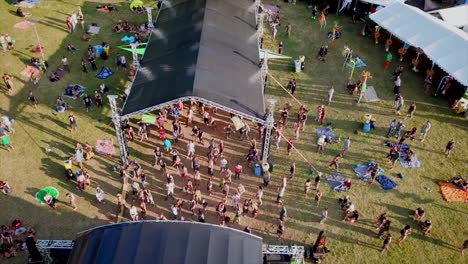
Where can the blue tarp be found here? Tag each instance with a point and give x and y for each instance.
(386, 182)
(327, 131)
(105, 73)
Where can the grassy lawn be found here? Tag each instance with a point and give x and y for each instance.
(29, 169)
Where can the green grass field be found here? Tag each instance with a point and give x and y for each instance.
(29, 169)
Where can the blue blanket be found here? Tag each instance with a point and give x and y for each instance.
(360, 171)
(105, 73)
(414, 161)
(335, 180)
(386, 182)
(327, 131)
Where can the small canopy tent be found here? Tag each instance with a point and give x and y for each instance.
(155, 242)
(445, 45)
(201, 49)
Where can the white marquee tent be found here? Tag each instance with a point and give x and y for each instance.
(444, 44)
(456, 16)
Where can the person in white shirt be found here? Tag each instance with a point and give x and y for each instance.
(170, 190)
(134, 213)
(190, 149)
(223, 165)
(321, 143)
(100, 196)
(330, 95)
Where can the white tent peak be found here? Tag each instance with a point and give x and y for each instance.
(445, 45)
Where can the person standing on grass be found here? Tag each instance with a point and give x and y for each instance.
(318, 197)
(384, 227)
(324, 215)
(411, 110)
(391, 128)
(266, 178)
(83, 65)
(8, 80)
(397, 87)
(336, 162)
(425, 129)
(400, 101)
(100, 195)
(170, 186)
(292, 170)
(32, 99)
(394, 158)
(330, 95)
(323, 114)
(449, 147)
(237, 171)
(307, 186)
(405, 232)
(71, 200)
(280, 47)
(386, 243)
(399, 128)
(283, 213)
(190, 149)
(321, 144)
(133, 213)
(289, 146)
(288, 30)
(274, 32)
(72, 121)
(346, 145)
(65, 64)
(280, 230)
(92, 61)
(87, 102)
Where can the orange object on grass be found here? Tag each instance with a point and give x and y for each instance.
(452, 193)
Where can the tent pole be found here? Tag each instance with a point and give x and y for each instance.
(136, 63)
(270, 120)
(116, 119)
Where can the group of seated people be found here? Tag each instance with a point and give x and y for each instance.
(122, 26)
(351, 214)
(74, 91)
(459, 182)
(5, 187)
(11, 241)
(38, 63)
(426, 225)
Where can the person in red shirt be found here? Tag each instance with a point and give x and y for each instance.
(237, 171)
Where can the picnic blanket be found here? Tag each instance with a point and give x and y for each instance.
(47, 190)
(74, 91)
(370, 95)
(104, 73)
(327, 131)
(237, 122)
(30, 71)
(386, 182)
(105, 147)
(360, 63)
(93, 30)
(361, 170)
(415, 163)
(452, 193)
(335, 180)
(24, 24)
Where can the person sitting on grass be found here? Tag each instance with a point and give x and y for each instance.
(352, 217)
(459, 182)
(71, 48)
(426, 227)
(419, 214)
(5, 188)
(50, 201)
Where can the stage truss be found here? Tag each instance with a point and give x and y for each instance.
(296, 252)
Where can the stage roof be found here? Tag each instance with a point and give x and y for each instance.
(206, 49)
(155, 242)
(444, 44)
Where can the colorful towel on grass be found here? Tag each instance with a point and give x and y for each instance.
(24, 25)
(105, 147)
(386, 182)
(327, 131)
(335, 180)
(104, 73)
(30, 71)
(271, 9)
(452, 193)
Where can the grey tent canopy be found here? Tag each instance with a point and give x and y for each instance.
(201, 49)
(174, 242)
